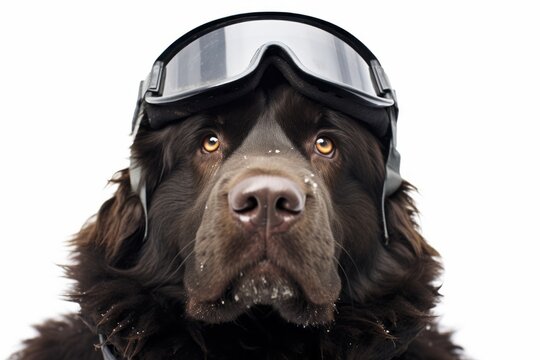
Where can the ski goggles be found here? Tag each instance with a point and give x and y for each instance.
(224, 59)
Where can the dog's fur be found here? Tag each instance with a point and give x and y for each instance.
(170, 296)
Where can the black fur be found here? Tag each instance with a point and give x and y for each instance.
(152, 299)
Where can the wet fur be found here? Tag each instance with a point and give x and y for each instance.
(133, 292)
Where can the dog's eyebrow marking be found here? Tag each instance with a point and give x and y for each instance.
(328, 117)
(321, 115)
(220, 120)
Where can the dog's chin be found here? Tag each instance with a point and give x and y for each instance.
(262, 285)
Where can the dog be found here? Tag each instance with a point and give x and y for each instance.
(264, 241)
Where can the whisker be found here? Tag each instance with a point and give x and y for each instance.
(169, 267)
(180, 252)
(346, 279)
(350, 257)
(345, 272)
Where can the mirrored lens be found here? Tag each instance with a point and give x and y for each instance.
(231, 52)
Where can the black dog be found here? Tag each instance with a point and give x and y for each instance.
(264, 242)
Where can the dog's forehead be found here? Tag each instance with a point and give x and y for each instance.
(266, 134)
(285, 119)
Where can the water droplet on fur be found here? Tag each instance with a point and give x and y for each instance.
(327, 330)
(245, 157)
(277, 151)
(269, 151)
(306, 179)
(222, 302)
(236, 298)
(428, 327)
(287, 293)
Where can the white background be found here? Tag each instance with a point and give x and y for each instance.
(467, 76)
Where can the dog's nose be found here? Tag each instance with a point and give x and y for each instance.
(267, 200)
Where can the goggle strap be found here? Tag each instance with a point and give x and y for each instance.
(155, 76)
(142, 195)
(136, 122)
(135, 171)
(381, 80)
(393, 179)
(105, 351)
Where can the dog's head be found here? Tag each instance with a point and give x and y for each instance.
(271, 201)
(258, 201)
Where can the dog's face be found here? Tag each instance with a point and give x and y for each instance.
(272, 200)
(263, 216)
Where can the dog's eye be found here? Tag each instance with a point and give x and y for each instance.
(210, 143)
(324, 146)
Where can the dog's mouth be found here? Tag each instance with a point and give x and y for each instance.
(262, 284)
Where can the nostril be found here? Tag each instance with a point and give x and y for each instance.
(285, 204)
(266, 200)
(250, 203)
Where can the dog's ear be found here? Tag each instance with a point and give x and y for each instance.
(402, 219)
(119, 224)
